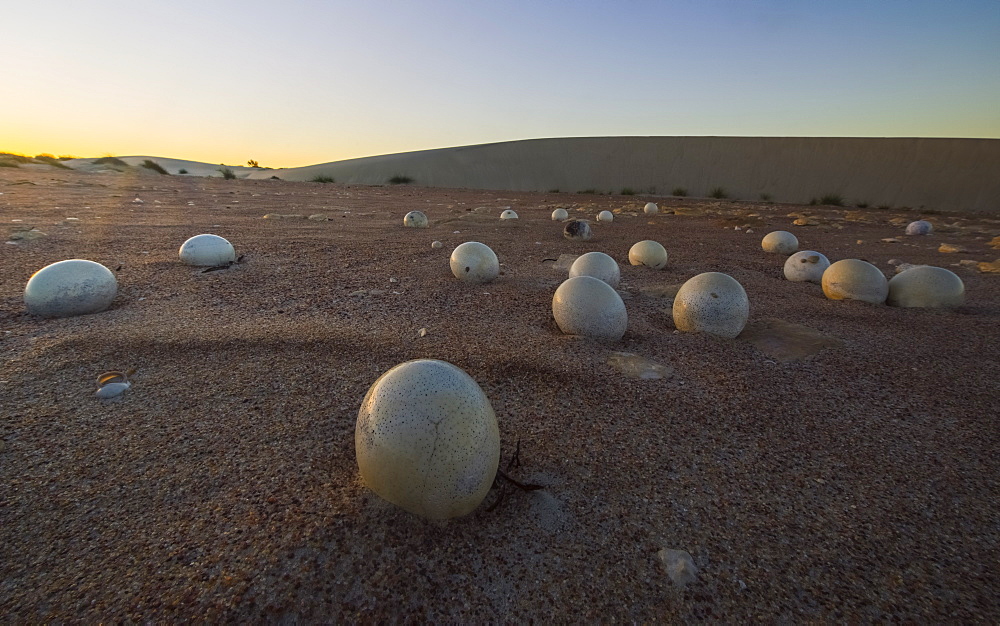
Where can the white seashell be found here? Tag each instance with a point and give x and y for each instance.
(111, 390)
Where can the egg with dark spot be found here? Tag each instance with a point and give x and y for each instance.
(474, 262)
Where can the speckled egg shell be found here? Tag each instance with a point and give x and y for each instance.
(806, 266)
(854, 279)
(577, 230)
(508, 215)
(71, 287)
(780, 242)
(926, 286)
(474, 262)
(649, 253)
(560, 214)
(206, 249)
(651, 208)
(415, 219)
(713, 303)
(598, 265)
(584, 305)
(427, 440)
(606, 216)
(919, 227)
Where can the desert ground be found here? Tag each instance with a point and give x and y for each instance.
(836, 462)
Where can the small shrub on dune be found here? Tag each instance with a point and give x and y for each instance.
(718, 193)
(227, 173)
(588, 191)
(322, 179)
(6, 163)
(627, 191)
(66, 157)
(182, 171)
(400, 179)
(48, 159)
(680, 192)
(110, 160)
(862, 205)
(14, 158)
(832, 199)
(156, 167)
(765, 197)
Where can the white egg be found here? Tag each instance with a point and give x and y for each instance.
(598, 265)
(415, 219)
(926, 286)
(210, 250)
(474, 262)
(649, 253)
(806, 266)
(71, 287)
(780, 242)
(713, 303)
(584, 305)
(854, 279)
(427, 439)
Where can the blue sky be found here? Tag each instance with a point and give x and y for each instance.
(296, 83)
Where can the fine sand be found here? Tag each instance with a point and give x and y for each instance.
(843, 469)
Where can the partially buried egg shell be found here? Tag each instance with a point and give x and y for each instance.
(559, 215)
(606, 216)
(68, 288)
(854, 279)
(584, 305)
(415, 219)
(926, 286)
(474, 262)
(598, 265)
(427, 440)
(508, 215)
(806, 266)
(713, 303)
(649, 253)
(919, 227)
(780, 242)
(207, 249)
(651, 208)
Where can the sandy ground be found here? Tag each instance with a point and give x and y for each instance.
(857, 483)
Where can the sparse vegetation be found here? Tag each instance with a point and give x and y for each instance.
(110, 160)
(400, 179)
(719, 193)
(862, 205)
(321, 179)
(627, 191)
(556, 190)
(182, 171)
(227, 173)
(883, 207)
(275, 178)
(813, 202)
(679, 192)
(252, 163)
(48, 159)
(149, 164)
(588, 191)
(832, 199)
(5, 163)
(765, 197)
(18, 158)
(66, 157)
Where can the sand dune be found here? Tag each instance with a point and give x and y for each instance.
(173, 166)
(942, 174)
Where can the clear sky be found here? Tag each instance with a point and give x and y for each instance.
(302, 82)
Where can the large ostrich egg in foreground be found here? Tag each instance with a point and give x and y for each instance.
(427, 439)
(584, 305)
(72, 287)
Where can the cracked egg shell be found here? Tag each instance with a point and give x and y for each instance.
(69, 288)
(649, 253)
(713, 303)
(207, 250)
(427, 439)
(474, 262)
